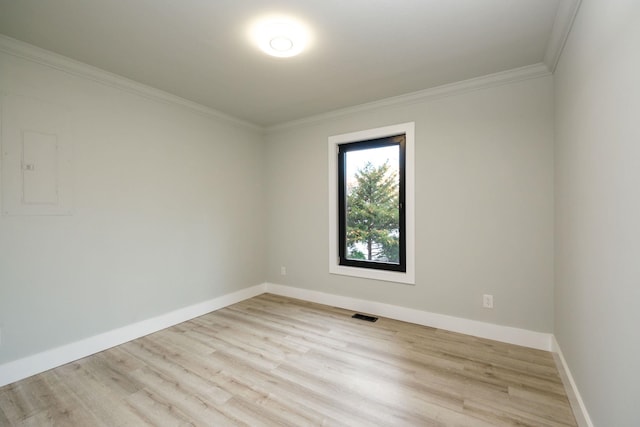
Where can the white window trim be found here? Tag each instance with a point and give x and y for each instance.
(391, 276)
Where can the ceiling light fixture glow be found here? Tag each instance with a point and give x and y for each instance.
(280, 36)
(281, 44)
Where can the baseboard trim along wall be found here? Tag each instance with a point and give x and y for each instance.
(40, 362)
(523, 337)
(575, 399)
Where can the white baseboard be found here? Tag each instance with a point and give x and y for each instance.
(575, 399)
(40, 362)
(523, 337)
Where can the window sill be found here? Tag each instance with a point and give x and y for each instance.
(368, 273)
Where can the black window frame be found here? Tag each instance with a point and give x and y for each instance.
(387, 141)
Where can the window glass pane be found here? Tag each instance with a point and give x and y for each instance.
(372, 208)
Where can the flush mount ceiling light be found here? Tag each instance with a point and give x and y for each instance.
(279, 36)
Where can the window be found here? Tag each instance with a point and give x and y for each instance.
(371, 203)
(371, 223)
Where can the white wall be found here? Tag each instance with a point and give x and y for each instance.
(598, 209)
(484, 205)
(168, 208)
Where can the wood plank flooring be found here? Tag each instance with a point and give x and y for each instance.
(272, 360)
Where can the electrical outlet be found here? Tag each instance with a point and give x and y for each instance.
(487, 301)
(283, 271)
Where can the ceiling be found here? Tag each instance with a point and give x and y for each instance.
(362, 50)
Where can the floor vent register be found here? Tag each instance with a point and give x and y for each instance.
(364, 317)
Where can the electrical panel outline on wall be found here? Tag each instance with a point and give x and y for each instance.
(39, 168)
(36, 157)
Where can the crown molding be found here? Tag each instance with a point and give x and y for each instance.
(491, 80)
(566, 14)
(44, 57)
(561, 28)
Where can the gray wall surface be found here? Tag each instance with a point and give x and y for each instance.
(168, 208)
(597, 86)
(484, 205)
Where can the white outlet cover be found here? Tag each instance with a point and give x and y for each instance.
(487, 301)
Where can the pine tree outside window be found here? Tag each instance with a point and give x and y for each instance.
(371, 199)
(371, 204)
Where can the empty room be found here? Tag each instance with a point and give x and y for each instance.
(305, 213)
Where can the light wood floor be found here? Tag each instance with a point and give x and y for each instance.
(278, 361)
